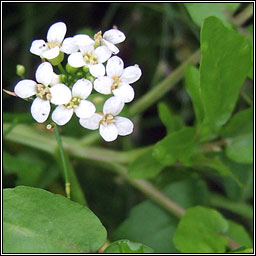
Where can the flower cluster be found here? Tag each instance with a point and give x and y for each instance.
(92, 64)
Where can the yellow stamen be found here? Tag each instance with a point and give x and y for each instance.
(53, 44)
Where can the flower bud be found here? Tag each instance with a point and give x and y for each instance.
(20, 70)
(70, 69)
(85, 69)
(56, 61)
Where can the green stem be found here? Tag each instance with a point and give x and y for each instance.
(160, 89)
(244, 15)
(29, 136)
(63, 160)
(62, 70)
(240, 208)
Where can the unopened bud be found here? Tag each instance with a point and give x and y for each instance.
(70, 69)
(20, 70)
(90, 77)
(85, 69)
(56, 61)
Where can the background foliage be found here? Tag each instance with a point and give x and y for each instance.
(192, 144)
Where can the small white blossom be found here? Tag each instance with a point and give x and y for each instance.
(109, 124)
(110, 38)
(78, 104)
(90, 56)
(56, 94)
(118, 79)
(51, 49)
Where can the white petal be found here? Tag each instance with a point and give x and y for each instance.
(25, 88)
(131, 74)
(125, 92)
(85, 109)
(44, 73)
(82, 88)
(87, 48)
(124, 125)
(38, 47)
(110, 46)
(60, 94)
(69, 46)
(103, 84)
(113, 106)
(76, 60)
(83, 40)
(115, 66)
(91, 123)
(51, 53)
(102, 53)
(57, 32)
(97, 70)
(55, 79)
(61, 115)
(114, 36)
(40, 109)
(108, 132)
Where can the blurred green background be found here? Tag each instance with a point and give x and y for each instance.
(159, 36)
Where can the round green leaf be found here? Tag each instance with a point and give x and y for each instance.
(126, 246)
(200, 231)
(37, 221)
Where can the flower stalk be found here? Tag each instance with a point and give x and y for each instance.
(63, 160)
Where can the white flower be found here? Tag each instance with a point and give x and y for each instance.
(110, 38)
(89, 56)
(83, 108)
(56, 94)
(118, 79)
(51, 49)
(110, 125)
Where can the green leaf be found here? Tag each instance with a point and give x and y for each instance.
(178, 146)
(238, 233)
(250, 31)
(243, 249)
(240, 123)
(244, 172)
(216, 164)
(151, 225)
(199, 231)
(225, 63)
(240, 149)
(145, 166)
(200, 11)
(171, 122)
(27, 171)
(37, 221)
(239, 132)
(126, 246)
(192, 81)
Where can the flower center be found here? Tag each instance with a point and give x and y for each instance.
(43, 92)
(116, 82)
(90, 59)
(98, 36)
(74, 103)
(53, 44)
(107, 119)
